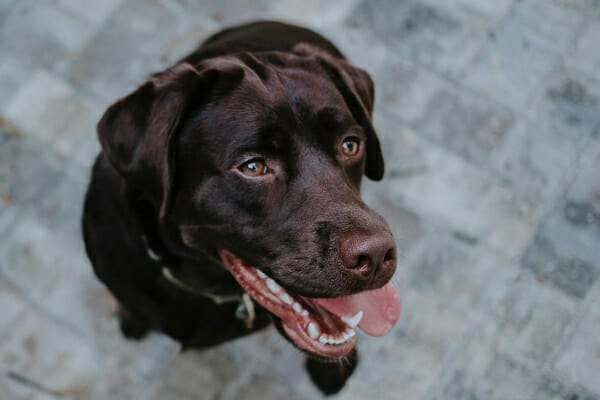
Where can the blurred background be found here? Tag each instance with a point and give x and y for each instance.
(489, 114)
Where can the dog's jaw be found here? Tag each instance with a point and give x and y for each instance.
(321, 327)
(309, 327)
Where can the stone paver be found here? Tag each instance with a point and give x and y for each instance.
(581, 359)
(438, 37)
(585, 53)
(489, 115)
(523, 50)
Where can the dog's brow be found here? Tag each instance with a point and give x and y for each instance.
(334, 118)
(267, 141)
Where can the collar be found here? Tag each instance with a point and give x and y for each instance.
(217, 298)
(245, 309)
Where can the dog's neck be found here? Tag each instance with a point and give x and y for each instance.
(169, 275)
(245, 310)
(157, 251)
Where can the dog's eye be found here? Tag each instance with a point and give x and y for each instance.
(350, 147)
(254, 167)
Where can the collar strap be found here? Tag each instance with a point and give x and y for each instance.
(217, 298)
(169, 276)
(245, 310)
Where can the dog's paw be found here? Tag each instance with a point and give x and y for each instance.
(132, 327)
(330, 377)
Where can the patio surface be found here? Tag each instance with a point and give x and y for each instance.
(489, 115)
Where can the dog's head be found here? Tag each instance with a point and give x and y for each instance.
(256, 160)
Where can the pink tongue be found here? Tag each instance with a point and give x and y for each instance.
(380, 307)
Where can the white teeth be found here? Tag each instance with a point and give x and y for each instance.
(313, 330)
(261, 274)
(285, 298)
(297, 307)
(328, 339)
(353, 321)
(304, 313)
(348, 334)
(273, 286)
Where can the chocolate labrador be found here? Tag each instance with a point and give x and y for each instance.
(227, 197)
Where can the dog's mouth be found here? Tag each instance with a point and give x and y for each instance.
(323, 327)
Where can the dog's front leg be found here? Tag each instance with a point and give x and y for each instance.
(330, 376)
(132, 326)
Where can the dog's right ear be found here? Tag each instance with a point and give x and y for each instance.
(137, 132)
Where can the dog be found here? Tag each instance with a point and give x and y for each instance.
(226, 197)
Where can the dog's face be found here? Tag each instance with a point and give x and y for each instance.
(257, 160)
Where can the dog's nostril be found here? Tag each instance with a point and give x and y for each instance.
(363, 262)
(390, 256)
(364, 266)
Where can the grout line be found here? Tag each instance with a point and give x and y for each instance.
(29, 383)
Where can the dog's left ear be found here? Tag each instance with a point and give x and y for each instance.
(356, 86)
(136, 133)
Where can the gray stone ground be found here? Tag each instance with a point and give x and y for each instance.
(489, 113)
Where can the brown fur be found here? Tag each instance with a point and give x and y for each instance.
(167, 180)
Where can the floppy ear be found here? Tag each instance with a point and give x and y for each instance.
(361, 87)
(136, 133)
(358, 91)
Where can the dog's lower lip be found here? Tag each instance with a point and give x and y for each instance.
(309, 326)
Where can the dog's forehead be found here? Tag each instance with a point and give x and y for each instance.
(311, 90)
(273, 107)
(297, 97)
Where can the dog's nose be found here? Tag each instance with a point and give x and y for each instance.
(366, 254)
